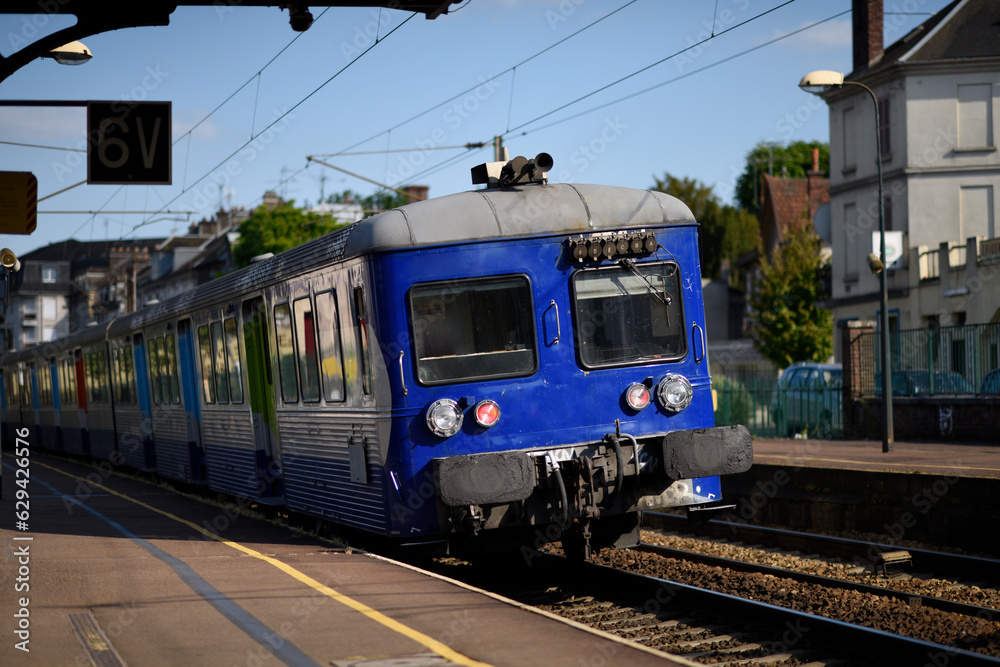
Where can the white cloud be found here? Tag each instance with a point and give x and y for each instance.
(40, 125)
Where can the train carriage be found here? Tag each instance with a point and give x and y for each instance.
(518, 364)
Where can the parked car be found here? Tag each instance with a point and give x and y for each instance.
(918, 383)
(808, 397)
(990, 384)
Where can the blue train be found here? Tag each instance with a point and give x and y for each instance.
(513, 365)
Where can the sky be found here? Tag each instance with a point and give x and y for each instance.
(618, 92)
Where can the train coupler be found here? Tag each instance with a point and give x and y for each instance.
(469, 519)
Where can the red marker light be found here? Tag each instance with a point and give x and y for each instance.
(487, 413)
(637, 396)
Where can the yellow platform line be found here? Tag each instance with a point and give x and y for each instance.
(430, 643)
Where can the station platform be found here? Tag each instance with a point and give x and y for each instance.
(925, 494)
(932, 458)
(108, 570)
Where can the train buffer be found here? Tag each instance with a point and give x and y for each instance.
(892, 559)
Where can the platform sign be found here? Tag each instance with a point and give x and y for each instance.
(18, 202)
(893, 248)
(128, 143)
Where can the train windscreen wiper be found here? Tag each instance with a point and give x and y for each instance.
(661, 295)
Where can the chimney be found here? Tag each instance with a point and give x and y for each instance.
(416, 193)
(815, 152)
(867, 32)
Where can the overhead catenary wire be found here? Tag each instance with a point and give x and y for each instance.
(649, 66)
(283, 115)
(482, 81)
(680, 77)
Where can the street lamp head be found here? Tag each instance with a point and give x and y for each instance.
(74, 53)
(821, 81)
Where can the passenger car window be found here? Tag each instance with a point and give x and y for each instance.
(305, 337)
(629, 314)
(286, 353)
(233, 354)
(473, 329)
(219, 353)
(331, 364)
(170, 361)
(205, 352)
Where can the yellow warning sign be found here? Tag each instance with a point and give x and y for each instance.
(18, 202)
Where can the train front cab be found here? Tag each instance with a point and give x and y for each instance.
(561, 404)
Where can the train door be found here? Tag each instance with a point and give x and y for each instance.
(260, 383)
(186, 360)
(33, 410)
(141, 379)
(55, 398)
(81, 399)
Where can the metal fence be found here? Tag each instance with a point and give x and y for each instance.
(929, 362)
(754, 399)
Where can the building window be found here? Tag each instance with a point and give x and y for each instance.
(975, 126)
(887, 210)
(50, 307)
(851, 249)
(849, 139)
(975, 217)
(29, 309)
(49, 274)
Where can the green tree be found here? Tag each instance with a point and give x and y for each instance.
(766, 157)
(278, 229)
(785, 323)
(727, 232)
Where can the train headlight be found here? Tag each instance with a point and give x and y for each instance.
(637, 396)
(487, 413)
(674, 392)
(444, 419)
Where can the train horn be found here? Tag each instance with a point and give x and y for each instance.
(543, 161)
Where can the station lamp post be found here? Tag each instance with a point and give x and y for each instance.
(820, 82)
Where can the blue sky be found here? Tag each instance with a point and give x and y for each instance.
(686, 87)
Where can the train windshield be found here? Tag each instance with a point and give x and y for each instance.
(629, 314)
(473, 329)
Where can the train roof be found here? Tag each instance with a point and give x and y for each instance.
(531, 210)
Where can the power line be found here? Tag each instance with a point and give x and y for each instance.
(280, 117)
(492, 78)
(650, 66)
(678, 78)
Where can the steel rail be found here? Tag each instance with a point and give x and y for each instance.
(970, 568)
(810, 628)
(913, 599)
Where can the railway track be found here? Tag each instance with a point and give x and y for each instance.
(702, 625)
(911, 599)
(982, 571)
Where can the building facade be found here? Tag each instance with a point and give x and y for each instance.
(937, 93)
